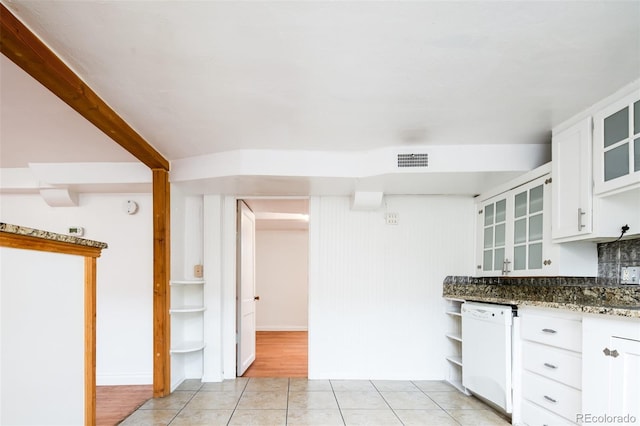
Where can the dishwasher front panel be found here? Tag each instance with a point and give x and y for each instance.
(486, 352)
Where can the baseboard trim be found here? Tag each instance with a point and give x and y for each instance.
(282, 328)
(123, 379)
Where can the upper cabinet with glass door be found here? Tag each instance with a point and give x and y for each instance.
(616, 145)
(528, 223)
(514, 233)
(511, 231)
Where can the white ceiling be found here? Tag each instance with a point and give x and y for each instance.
(204, 77)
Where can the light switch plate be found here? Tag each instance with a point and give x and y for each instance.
(630, 275)
(197, 271)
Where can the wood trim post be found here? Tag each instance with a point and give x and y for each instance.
(161, 289)
(90, 273)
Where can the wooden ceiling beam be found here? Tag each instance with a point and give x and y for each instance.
(24, 48)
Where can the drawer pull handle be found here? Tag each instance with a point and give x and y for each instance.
(549, 330)
(548, 398)
(546, 364)
(614, 353)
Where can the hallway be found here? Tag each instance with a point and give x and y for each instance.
(280, 354)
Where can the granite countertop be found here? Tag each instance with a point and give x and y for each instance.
(589, 295)
(46, 235)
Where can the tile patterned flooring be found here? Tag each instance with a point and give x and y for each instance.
(293, 401)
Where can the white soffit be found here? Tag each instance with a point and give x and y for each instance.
(335, 164)
(91, 173)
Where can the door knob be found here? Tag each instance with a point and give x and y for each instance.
(256, 298)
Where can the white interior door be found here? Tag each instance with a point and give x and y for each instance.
(246, 322)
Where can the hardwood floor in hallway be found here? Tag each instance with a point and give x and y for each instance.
(280, 354)
(115, 403)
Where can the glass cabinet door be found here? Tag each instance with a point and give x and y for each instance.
(528, 228)
(617, 145)
(495, 217)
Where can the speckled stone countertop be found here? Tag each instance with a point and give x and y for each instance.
(21, 230)
(573, 293)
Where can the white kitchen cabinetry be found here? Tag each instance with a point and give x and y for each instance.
(454, 337)
(611, 379)
(550, 375)
(616, 145)
(511, 230)
(572, 200)
(596, 171)
(187, 329)
(514, 233)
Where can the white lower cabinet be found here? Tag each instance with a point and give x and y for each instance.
(577, 369)
(538, 416)
(550, 370)
(612, 380)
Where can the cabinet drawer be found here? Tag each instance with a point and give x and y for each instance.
(556, 364)
(559, 332)
(556, 397)
(534, 415)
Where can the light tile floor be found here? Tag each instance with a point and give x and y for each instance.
(292, 402)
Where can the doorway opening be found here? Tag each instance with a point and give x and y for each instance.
(277, 299)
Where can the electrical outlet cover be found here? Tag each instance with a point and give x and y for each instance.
(392, 218)
(630, 275)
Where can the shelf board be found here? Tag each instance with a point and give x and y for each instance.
(187, 282)
(187, 347)
(454, 336)
(187, 309)
(457, 360)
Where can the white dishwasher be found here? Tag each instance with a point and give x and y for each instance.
(486, 352)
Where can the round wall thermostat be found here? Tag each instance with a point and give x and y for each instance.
(130, 207)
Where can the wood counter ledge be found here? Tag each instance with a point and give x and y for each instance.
(579, 294)
(51, 236)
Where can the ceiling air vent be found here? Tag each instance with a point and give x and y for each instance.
(413, 160)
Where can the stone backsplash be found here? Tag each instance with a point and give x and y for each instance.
(614, 255)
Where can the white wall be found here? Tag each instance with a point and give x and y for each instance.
(281, 279)
(125, 274)
(42, 338)
(375, 290)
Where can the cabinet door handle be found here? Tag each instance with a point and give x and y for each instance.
(549, 330)
(612, 353)
(548, 398)
(580, 214)
(546, 364)
(505, 266)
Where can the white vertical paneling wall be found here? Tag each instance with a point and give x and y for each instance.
(212, 258)
(125, 274)
(375, 290)
(281, 279)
